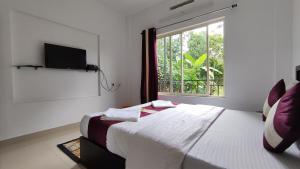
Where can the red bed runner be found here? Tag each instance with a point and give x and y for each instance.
(97, 128)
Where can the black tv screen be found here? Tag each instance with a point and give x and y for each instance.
(62, 57)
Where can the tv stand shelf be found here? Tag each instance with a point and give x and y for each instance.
(36, 67)
(29, 66)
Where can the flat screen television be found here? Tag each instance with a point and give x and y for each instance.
(62, 57)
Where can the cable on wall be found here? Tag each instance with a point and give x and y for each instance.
(105, 84)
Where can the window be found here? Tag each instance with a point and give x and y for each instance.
(191, 62)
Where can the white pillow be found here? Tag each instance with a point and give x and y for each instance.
(162, 104)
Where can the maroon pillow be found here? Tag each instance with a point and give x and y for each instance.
(275, 94)
(282, 127)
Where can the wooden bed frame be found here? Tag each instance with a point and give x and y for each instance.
(93, 156)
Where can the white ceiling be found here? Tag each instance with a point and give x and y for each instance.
(130, 7)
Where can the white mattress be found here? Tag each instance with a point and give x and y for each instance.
(86, 118)
(234, 141)
(161, 140)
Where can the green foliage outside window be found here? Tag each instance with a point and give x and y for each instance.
(201, 68)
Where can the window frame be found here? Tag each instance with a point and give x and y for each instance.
(180, 32)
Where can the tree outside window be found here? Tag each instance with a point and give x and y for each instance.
(192, 62)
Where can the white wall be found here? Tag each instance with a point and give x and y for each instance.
(284, 40)
(258, 51)
(29, 33)
(17, 119)
(296, 33)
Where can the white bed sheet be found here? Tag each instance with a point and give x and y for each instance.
(86, 118)
(154, 142)
(234, 141)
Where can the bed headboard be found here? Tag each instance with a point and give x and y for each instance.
(298, 73)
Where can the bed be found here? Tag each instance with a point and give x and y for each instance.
(233, 140)
(96, 130)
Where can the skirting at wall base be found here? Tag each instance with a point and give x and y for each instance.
(40, 134)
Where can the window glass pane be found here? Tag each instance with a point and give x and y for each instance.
(168, 64)
(216, 58)
(160, 64)
(163, 64)
(192, 62)
(195, 65)
(176, 63)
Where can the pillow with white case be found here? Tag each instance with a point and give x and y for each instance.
(275, 94)
(282, 127)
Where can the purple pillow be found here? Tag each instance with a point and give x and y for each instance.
(275, 94)
(282, 127)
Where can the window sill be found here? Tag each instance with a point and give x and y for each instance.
(190, 95)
